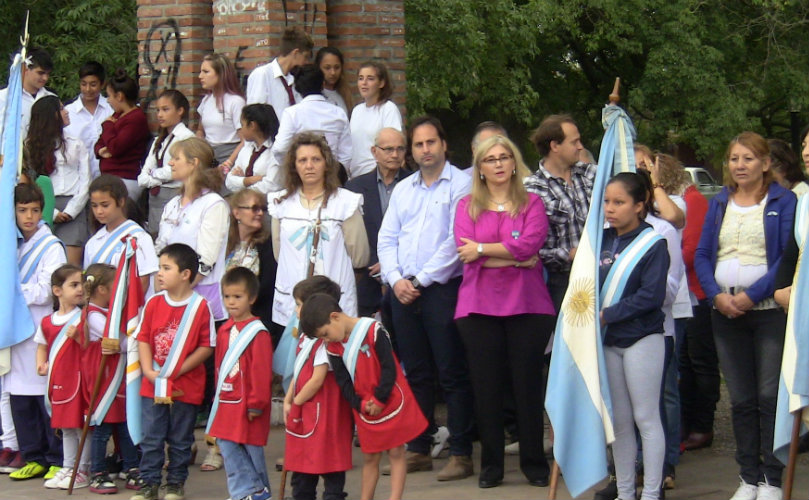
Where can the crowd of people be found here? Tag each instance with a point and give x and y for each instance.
(289, 235)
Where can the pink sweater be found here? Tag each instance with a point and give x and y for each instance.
(504, 291)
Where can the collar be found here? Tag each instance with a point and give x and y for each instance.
(577, 168)
(313, 97)
(381, 179)
(446, 174)
(256, 146)
(277, 72)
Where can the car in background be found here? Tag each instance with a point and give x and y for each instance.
(704, 181)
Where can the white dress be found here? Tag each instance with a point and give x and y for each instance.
(296, 236)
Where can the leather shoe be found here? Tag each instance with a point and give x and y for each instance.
(415, 462)
(697, 440)
(489, 483)
(458, 467)
(540, 482)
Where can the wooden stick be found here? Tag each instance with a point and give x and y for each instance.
(283, 484)
(793, 454)
(554, 480)
(615, 96)
(90, 410)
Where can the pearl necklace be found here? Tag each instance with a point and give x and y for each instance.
(501, 206)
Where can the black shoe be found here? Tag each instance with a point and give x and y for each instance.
(540, 482)
(489, 483)
(609, 492)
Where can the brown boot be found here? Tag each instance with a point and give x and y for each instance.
(459, 467)
(415, 462)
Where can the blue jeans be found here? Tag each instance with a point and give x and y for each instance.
(245, 467)
(172, 424)
(429, 343)
(98, 447)
(750, 349)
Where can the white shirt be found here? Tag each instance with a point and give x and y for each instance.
(87, 127)
(71, 176)
(264, 166)
(366, 122)
(27, 101)
(22, 379)
(335, 98)
(146, 257)
(676, 268)
(221, 127)
(315, 114)
(152, 174)
(264, 86)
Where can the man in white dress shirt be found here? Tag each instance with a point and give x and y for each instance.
(35, 76)
(272, 83)
(89, 110)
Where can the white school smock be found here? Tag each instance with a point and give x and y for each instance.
(71, 175)
(333, 261)
(221, 126)
(366, 122)
(264, 165)
(86, 126)
(146, 257)
(22, 379)
(150, 174)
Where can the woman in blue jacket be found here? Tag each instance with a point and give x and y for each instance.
(746, 230)
(633, 267)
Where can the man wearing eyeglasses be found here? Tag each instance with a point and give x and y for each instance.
(419, 260)
(565, 185)
(376, 187)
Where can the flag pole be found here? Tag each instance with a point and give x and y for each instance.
(23, 56)
(614, 99)
(793, 453)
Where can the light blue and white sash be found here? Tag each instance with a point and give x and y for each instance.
(114, 242)
(354, 346)
(613, 288)
(167, 372)
(300, 359)
(234, 352)
(31, 258)
(58, 344)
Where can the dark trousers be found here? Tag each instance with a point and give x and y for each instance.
(557, 286)
(499, 349)
(699, 372)
(38, 441)
(428, 344)
(750, 349)
(304, 485)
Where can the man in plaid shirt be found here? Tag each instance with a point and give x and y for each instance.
(565, 185)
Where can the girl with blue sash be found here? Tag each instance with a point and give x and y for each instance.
(634, 263)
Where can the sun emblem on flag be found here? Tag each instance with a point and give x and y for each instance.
(579, 306)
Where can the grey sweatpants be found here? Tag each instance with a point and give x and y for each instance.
(635, 377)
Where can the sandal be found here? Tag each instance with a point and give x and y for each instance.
(213, 461)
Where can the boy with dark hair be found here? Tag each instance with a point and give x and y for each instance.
(318, 420)
(273, 83)
(243, 383)
(175, 336)
(369, 375)
(89, 110)
(34, 78)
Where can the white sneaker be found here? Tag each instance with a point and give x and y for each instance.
(513, 448)
(53, 483)
(746, 491)
(767, 492)
(82, 480)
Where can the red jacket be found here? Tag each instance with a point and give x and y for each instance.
(127, 140)
(696, 206)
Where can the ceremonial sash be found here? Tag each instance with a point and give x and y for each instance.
(300, 359)
(353, 347)
(613, 288)
(115, 241)
(176, 356)
(283, 358)
(31, 258)
(234, 352)
(294, 425)
(61, 340)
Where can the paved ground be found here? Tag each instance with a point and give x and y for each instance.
(704, 474)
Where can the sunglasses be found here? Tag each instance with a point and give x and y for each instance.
(256, 209)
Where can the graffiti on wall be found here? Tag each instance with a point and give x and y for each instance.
(308, 12)
(228, 7)
(162, 65)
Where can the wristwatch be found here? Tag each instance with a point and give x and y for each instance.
(480, 249)
(415, 282)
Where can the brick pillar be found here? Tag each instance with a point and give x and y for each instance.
(249, 31)
(173, 37)
(370, 29)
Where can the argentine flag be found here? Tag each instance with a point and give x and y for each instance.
(578, 396)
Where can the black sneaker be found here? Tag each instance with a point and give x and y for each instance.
(132, 479)
(102, 484)
(609, 492)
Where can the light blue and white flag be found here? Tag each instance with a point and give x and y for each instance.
(578, 396)
(793, 387)
(17, 324)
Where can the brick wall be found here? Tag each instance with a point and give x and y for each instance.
(174, 35)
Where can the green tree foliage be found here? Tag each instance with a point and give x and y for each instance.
(694, 72)
(73, 31)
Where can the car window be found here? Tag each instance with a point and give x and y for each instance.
(703, 178)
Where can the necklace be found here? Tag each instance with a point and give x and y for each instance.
(501, 205)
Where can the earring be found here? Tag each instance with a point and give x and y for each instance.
(481, 177)
(238, 221)
(514, 172)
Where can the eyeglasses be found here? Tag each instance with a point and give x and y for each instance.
(491, 161)
(256, 209)
(399, 149)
